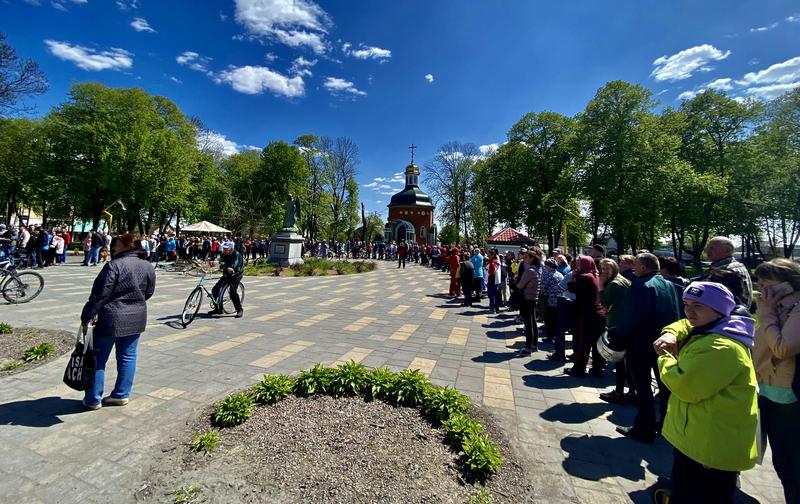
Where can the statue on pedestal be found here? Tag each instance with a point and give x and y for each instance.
(291, 213)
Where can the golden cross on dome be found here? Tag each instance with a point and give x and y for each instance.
(412, 148)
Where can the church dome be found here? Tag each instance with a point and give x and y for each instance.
(411, 195)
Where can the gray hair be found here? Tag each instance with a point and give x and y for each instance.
(723, 241)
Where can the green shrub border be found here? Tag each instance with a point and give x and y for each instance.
(442, 406)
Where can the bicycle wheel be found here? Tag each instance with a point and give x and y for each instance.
(227, 304)
(23, 287)
(192, 306)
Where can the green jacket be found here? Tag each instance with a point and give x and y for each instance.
(712, 414)
(234, 261)
(613, 298)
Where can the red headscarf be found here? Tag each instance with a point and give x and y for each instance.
(586, 265)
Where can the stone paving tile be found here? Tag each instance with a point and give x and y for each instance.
(554, 420)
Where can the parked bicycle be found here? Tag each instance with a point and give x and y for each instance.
(195, 300)
(19, 287)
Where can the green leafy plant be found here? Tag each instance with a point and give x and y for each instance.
(410, 387)
(12, 365)
(205, 441)
(316, 380)
(38, 352)
(272, 388)
(481, 496)
(186, 494)
(233, 410)
(379, 383)
(483, 457)
(458, 426)
(442, 403)
(5, 328)
(348, 379)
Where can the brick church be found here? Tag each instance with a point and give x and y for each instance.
(411, 212)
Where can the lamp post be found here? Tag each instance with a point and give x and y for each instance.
(110, 219)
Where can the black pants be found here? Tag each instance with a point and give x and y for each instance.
(565, 321)
(780, 422)
(693, 483)
(623, 376)
(467, 288)
(527, 310)
(233, 285)
(588, 330)
(401, 260)
(550, 321)
(642, 360)
(476, 288)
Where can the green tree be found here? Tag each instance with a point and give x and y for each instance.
(449, 175)
(339, 160)
(314, 197)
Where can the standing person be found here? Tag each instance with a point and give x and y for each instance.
(550, 291)
(650, 305)
(67, 242)
(614, 288)
(494, 282)
(720, 251)
(477, 272)
(232, 266)
(402, 251)
(712, 417)
(467, 275)
(775, 357)
(591, 320)
(626, 265)
(117, 307)
(59, 246)
(97, 244)
(455, 266)
(22, 244)
(87, 248)
(529, 290)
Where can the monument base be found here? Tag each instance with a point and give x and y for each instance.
(286, 248)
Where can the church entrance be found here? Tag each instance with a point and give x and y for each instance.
(401, 232)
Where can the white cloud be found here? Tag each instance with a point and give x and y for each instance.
(175, 80)
(429, 77)
(336, 86)
(35, 3)
(387, 193)
(295, 23)
(719, 85)
(764, 28)
(222, 16)
(687, 95)
(378, 201)
(194, 61)
(257, 79)
(141, 25)
(794, 18)
(771, 91)
(58, 6)
(368, 52)
(779, 73)
(270, 57)
(488, 149)
(371, 184)
(753, 61)
(127, 4)
(300, 66)
(225, 146)
(90, 59)
(683, 64)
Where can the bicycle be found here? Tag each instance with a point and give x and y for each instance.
(18, 288)
(195, 300)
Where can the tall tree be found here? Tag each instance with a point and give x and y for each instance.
(314, 197)
(19, 79)
(449, 175)
(339, 160)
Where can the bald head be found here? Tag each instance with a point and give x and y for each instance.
(718, 248)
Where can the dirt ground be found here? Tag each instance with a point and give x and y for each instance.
(321, 449)
(13, 346)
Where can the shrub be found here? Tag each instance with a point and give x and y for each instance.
(206, 441)
(459, 426)
(410, 387)
(481, 496)
(186, 495)
(272, 388)
(38, 352)
(313, 381)
(379, 383)
(12, 365)
(442, 403)
(348, 379)
(5, 328)
(233, 410)
(483, 457)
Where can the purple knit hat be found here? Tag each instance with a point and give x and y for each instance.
(715, 296)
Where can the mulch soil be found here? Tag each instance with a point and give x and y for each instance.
(13, 346)
(321, 449)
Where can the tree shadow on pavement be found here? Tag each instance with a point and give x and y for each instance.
(44, 412)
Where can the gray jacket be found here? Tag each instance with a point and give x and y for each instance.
(119, 296)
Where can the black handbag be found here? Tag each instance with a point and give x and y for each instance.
(82, 364)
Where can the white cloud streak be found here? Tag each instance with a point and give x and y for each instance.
(429, 77)
(90, 59)
(340, 86)
(141, 25)
(295, 23)
(683, 64)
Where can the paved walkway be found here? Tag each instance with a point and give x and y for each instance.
(52, 451)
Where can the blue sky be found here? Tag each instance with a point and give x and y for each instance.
(387, 74)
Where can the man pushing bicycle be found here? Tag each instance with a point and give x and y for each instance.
(232, 266)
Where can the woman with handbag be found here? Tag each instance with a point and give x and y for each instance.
(117, 307)
(775, 358)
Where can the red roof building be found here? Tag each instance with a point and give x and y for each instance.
(510, 236)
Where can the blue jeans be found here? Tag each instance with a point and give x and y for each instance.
(126, 367)
(94, 255)
(86, 255)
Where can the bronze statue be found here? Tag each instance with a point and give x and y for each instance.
(291, 213)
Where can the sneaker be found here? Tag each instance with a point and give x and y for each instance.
(613, 397)
(115, 401)
(91, 406)
(239, 313)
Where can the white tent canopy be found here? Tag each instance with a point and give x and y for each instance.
(205, 227)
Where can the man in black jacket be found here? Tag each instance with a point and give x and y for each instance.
(232, 266)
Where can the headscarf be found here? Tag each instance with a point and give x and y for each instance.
(586, 266)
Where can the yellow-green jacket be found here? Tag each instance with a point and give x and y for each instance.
(712, 414)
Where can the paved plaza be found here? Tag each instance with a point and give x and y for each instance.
(52, 451)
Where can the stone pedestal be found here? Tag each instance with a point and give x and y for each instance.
(286, 248)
